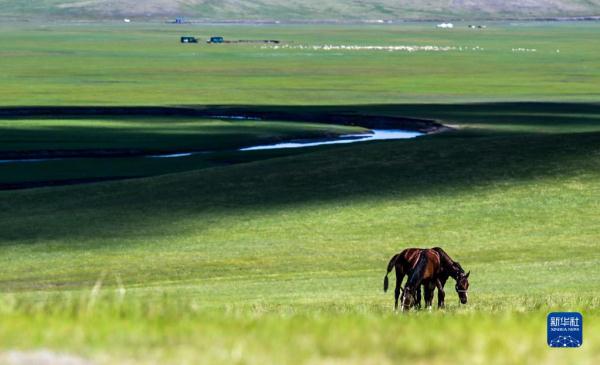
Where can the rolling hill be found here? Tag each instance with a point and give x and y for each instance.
(306, 10)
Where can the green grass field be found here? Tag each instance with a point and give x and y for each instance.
(279, 258)
(146, 65)
(216, 141)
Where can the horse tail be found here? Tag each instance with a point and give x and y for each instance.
(390, 266)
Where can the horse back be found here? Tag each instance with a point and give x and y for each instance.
(408, 259)
(433, 266)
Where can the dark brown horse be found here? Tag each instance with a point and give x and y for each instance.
(451, 268)
(407, 260)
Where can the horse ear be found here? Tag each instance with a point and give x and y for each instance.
(469, 273)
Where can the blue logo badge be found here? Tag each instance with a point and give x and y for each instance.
(565, 329)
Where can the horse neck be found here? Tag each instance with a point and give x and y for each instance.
(455, 274)
(448, 263)
(444, 257)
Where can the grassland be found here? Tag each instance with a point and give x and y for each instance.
(280, 260)
(146, 65)
(91, 145)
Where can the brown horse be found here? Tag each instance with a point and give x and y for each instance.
(425, 272)
(451, 268)
(407, 260)
(403, 262)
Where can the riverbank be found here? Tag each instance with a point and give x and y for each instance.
(309, 115)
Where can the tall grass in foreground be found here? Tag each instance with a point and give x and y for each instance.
(161, 327)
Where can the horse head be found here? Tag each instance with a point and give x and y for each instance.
(409, 297)
(462, 286)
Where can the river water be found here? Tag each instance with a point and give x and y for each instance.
(375, 135)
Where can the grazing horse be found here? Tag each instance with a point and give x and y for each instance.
(407, 260)
(403, 262)
(451, 268)
(425, 273)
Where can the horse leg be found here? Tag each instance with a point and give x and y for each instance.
(429, 288)
(408, 297)
(441, 294)
(418, 302)
(399, 278)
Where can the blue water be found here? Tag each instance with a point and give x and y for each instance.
(377, 135)
(28, 160)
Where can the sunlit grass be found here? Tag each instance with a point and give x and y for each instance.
(156, 330)
(145, 64)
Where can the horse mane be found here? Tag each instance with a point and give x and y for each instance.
(445, 258)
(460, 267)
(448, 263)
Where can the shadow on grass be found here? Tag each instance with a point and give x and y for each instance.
(421, 117)
(445, 164)
(329, 115)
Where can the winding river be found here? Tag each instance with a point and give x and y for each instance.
(378, 128)
(375, 135)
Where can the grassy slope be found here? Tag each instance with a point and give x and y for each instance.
(218, 138)
(269, 256)
(249, 263)
(306, 10)
(151, 134)
(145, 65)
